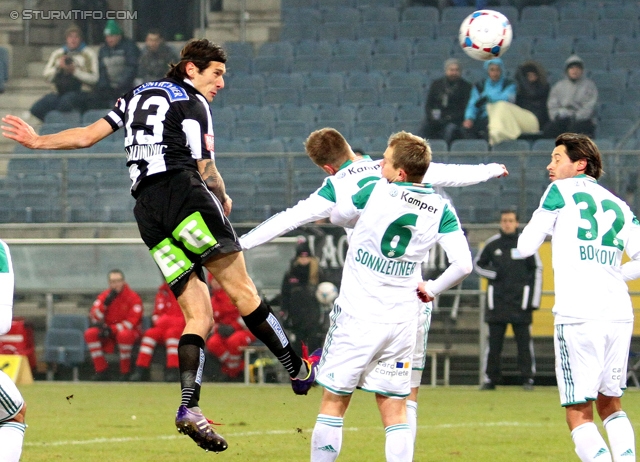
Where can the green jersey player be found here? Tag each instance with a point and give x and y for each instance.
(589, 229)
(371, 339)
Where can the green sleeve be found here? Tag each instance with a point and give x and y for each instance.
(449, 221)
(553, 200)
(361, 198)
(327, 191)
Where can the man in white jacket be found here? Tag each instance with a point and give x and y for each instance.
(12, 405)
(589, 229)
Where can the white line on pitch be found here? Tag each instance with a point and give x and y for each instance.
(272, 432)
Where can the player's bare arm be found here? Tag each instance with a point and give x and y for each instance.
(215, 183)
(74, 138)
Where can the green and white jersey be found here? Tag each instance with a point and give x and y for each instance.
(589, 228)
(397, 225)
(346, 182)
(6, 288)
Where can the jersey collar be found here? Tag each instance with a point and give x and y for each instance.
(349, 162)
(418, 187)
(586, 177)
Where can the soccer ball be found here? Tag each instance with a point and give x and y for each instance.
(326, 293)
(485, 34)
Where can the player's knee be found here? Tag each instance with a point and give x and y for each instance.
(91, 334)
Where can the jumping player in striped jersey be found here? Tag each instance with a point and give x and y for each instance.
(371, 339)
(12, 405)
(589, 228)
(181, 210)
(348, 172)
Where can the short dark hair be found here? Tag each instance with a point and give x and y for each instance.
(510, 210)
(579, 147)
(199, 52)
(155, 31)
(116, 271)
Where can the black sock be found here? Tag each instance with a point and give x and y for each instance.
(191, 358)
(265, 326)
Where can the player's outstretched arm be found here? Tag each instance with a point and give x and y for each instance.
(313, 208)
(533, 235)
(75, 138)
(458, 253)
(462, 175)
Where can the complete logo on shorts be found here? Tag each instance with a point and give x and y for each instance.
(393, 369)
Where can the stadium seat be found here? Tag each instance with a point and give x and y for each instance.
(90, 116)
(579, 11)
(350, 63)
(290, 128)
(627, 61)
(574, 28)
(615, 10)
(313, 48)
(420, 14)
(399, 79)
(469, 146)
(448, 29)
(627, 44)
(512, 146)
(305, 15)
(114, 205)
(589, 45)
(340, 14)
(70, 118)
(545, 145)
(252, 82)
(410, 118)
(539, 12)
(371, 128)
(268, 64)
(290, 112)
(239, 64)
(69, 321)
(270, 145)
(299, 31)
(560, 45)
(391, 46)
(385, 113)
(456, 13)
(37, 206)
(595, 61)
(511, 12)
(417, 29)
(615, 27)
(439, 149)
(239, 49)
(281, 49)
(613, 128)
(610, 84)
(295, 144)
(534, 28)
(65, 347)
(238, 97)
(379, 14)
(310, 64)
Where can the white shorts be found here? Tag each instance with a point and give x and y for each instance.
(419, 357)
(591, 358)
(10, 398)
(374, 357)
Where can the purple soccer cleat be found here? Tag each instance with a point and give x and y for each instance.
(200, 429)
(302, 386)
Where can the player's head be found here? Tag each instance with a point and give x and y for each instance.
(116, 280)
(573, 155)
(509, 220)
(406, 158)
(202, 62)
(328, 149)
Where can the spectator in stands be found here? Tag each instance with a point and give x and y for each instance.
(515, 286)
(230, 332)
(118, 65)
(168, 324)
(4, 68)
(446, 103)
(572, 102)
(155, 58)
(533, 90)
(299, 303)
(73, 70)
(115, 318)
(494, 88)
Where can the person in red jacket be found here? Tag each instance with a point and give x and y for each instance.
(115, 318)
(230, 333)
(168, 324)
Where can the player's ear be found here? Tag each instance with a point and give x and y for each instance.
(329, 169)
(190, 69)
(402, 175)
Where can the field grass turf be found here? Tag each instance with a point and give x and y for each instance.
(95, 422)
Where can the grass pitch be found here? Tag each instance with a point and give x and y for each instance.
(134, 422)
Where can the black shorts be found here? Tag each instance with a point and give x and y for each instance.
(183, 224)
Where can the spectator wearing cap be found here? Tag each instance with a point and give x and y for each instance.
(73, 70)
(118, 65)
(446, 102)
(572, 102)
(299, 303)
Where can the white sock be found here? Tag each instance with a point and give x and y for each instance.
(399, 445)
(590, 445)
(326, 439)
(11, 436)
(412, 418)
(621, 437)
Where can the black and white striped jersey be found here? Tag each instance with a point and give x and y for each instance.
(168, 126)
